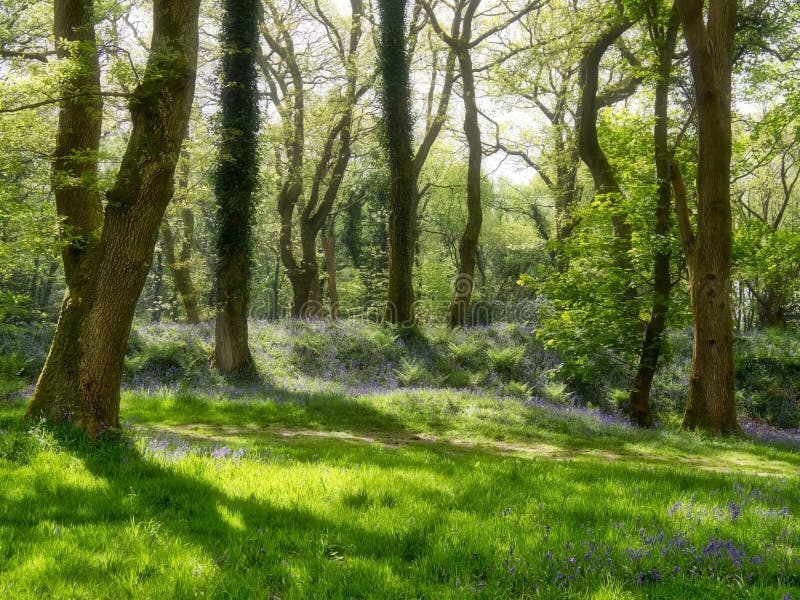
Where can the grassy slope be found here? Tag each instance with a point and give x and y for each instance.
(408, 494)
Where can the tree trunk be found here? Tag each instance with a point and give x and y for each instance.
(591, 153)
(301, 282)
(276, 285)
(712, 394)
(328, 173)
(639, 407)
(403, 195)
(771, 308)
(237, 173)
(158, 288)
(468, 244)
(329, 250)
(74, 183)
(81, 377)
(46, 290)
(180, 266)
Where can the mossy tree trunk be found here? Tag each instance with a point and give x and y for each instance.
(236, 177)
(329, 251)
(81, 377)
(74, 183)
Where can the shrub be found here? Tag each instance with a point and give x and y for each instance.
(506, 360)
(167, 361)
(411, 373)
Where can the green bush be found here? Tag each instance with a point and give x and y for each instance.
(506, 360)
(167, 361)
(412, 373)
(769, 389)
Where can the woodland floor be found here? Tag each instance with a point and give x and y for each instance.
(416, 493)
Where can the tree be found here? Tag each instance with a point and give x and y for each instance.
(236, 179)
(709, 31)
(179, 263)
(590, 151)
(766, 176)
(664, 34)
(397, 139)
(108, 253)
(461, 42)
(290, 94)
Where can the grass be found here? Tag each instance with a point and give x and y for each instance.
(366, 465)
(280, 493)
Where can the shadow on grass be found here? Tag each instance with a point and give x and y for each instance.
(269, 407)
(248, 538)
(258, 546)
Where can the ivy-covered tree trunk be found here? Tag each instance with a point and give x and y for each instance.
(81, 377)
(236, 178)
(711, 404)
(403, 196)
(639, 407)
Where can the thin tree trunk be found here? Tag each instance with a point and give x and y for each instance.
(712, 394)
(329, 250)
(276, 284)
(81, 377)
(591, 153)
(639, 407)
(180, 266)
(468, 244)
(158, 288)
(46, 290)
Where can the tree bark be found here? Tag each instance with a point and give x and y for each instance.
(329, 250)
(591, 153)
(81, 377)
(468, 244)
(180, 266)
(158, 288)
(772, 311)
(237, 174)
(403, 194)
(639, 406)
(711, 404)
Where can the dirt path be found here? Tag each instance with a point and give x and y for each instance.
(212, 434)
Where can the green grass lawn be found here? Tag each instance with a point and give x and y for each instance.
(408, 494)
